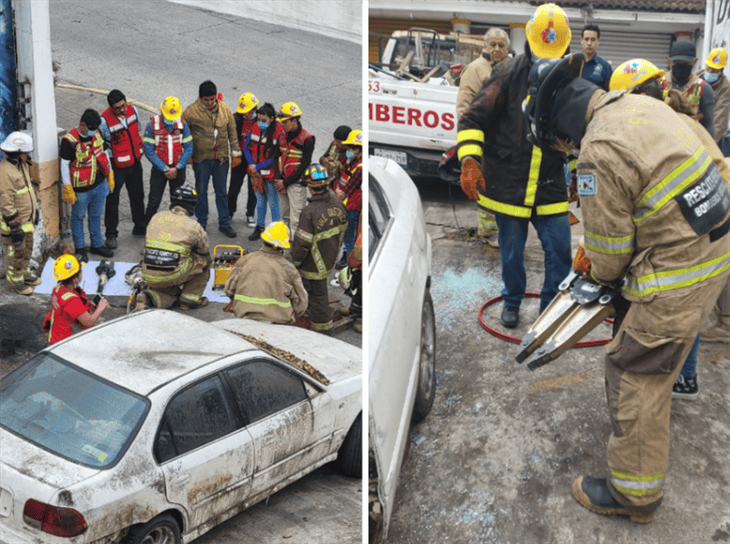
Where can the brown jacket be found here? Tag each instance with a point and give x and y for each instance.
(176, 248)
(472, 78)
(319, 236)
(654, 202)
(17, 194)
(264, 286)
(210, 126)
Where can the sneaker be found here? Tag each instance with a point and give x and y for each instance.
(594, 494)
(685, 388)
(111, 242)
(228, 231)
(186, 306)
(510, 316)
(256, 234)
(81, 256)
(31, 279)
(342, 263)
(103, 251)
(250, 221)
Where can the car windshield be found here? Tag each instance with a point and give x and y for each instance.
(69, 412)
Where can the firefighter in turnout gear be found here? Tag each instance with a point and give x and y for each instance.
(264, 285)
(656, 217)
(317, 244)
(18, 202)
(176, 263)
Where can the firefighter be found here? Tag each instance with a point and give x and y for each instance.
(295, 157)
(120, 128)
(176, 263)
(264, 285)
(168, 145)
(71, 309)
(524, 184)
(317, 243)
(656, 217)
(18, 202)
(349, 189)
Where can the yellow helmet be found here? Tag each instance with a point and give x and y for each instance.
(65, 266)
(717, 58)
(354, 138)
(634, 73)
(548, 32)
(277, 234)
(289, 111)
(247, 102)
(171, 108)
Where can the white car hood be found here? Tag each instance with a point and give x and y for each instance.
(31, 461)
(337, 360)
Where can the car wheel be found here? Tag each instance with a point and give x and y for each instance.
(160, 530)
(350, 456)
(426, 391)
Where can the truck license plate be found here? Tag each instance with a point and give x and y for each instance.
(396, 156)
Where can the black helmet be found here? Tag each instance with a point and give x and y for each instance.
(185, 197)
(317, 176)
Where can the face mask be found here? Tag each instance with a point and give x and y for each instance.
(90, 133)
(263, 125)
(710, 78)
(681, 73)
(350, 155)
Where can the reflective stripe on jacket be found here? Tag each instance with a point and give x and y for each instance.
(168, 143)
(17, 194)
(291, 156)
(88, 159)
(126, 142)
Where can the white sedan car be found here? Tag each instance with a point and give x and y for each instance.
(402, 330)
(157, 426)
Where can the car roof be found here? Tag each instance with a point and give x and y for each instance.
(145, 350)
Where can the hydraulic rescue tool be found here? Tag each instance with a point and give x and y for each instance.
(577, 309)
(105, 271)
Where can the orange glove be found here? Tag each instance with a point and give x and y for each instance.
(471, 178)
(582, 263)
(110, 180)
(258, 183)
(235, 161)
(228, 307)
(69, 196)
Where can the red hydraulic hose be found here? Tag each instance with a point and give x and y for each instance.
(515, 340)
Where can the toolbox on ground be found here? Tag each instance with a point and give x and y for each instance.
(224, 257)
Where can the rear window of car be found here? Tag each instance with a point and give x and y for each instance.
(70, 412)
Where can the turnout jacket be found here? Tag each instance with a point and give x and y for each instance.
(17, 195)
(319, 236)
(176, 248)
(265, 286)
(655, 208)
(521, 180)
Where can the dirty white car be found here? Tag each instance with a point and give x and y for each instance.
(157, 426)
(402, 331)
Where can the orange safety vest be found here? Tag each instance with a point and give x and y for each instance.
(292, 156)
(168, 143)
(126, 142)
(88, 159)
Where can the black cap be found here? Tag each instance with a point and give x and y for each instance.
(683, 50)
(342, 132)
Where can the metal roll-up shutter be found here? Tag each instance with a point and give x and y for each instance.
(619, 46)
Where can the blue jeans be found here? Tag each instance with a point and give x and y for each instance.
(689, 370)
(272, 197)
(351, 234)
(93, 201)
(554, 234)
(203, 172)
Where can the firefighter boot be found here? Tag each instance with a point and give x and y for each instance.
(31, 279)
(719, 331)
(593, 493)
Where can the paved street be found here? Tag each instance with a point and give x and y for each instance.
(495, 459)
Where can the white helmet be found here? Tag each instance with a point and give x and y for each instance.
(17, 142)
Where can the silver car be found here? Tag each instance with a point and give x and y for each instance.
(157, 426)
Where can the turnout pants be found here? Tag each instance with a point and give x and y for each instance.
(319, 309)
(188, 288)
(642, 364)
(18, 259)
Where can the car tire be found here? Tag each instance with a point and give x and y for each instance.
(426, 390)
(160, 530)
(350, 455)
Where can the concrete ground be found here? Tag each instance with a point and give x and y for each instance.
(495, 460)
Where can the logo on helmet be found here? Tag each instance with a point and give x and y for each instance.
(68, 265)
(632, 68)
(549, 35)
(716, 59)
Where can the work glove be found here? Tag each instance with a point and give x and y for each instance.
(69, 197)
(582, 263)
(235, 161)
(110, 180)
(258, 183)
(471, 178)
(17, 235)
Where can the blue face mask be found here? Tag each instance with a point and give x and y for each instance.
(710, 78)
(263, 125)
(90, 133)
(350, 155)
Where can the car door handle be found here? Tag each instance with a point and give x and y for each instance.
(181, 479)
